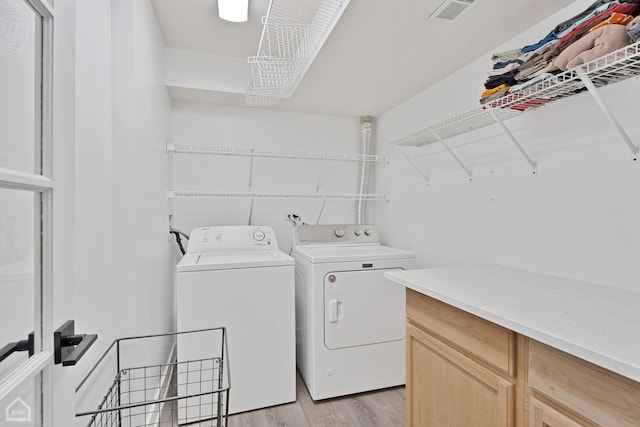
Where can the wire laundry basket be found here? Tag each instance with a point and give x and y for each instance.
(142, 394)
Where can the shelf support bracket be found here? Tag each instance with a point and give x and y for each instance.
(324, 202)
(513, 139)
(596, 96)
(412, 163)
(454, 155)
(251, 186)
(324, 159)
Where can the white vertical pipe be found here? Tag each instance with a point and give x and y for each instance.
(366, 125)
(251, 187)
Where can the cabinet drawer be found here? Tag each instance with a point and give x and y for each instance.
(482, 340)
(544, 415)
(601, 396)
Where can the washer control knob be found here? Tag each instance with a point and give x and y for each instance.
(357, 232)
(339, 232)
(258, 235)
(368, 231)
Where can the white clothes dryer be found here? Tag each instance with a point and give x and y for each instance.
(235, 276)
(350, 319)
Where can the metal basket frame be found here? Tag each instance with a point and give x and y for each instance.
(115, 408)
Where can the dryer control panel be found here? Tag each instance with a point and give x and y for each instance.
(336, 234)
(234, 237)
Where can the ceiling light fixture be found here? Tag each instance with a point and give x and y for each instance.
(233, 10)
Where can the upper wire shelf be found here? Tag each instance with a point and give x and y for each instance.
(253, 152)
(293, 32)
(258, 195)
(619, 65)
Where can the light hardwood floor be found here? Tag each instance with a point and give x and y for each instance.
(383, 408)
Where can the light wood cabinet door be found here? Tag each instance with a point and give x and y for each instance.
(447, 388)
(543, 415)
(598, 396)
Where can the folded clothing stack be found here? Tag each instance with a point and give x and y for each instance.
(602, 28)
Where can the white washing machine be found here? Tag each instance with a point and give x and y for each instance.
(350, 320)
(235, 276)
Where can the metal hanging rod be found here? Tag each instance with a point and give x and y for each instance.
(258, 195)
(255, 152)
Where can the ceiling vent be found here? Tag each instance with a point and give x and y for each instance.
(451, 10)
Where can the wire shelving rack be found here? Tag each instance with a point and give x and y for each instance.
(257, 152)
(274, 196)
(293, 33)
(616, 66)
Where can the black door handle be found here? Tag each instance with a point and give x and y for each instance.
(12, 347)
(69, 347)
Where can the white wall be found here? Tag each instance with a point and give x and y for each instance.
(577, 218)
(196, 124)
(113, 256)
(199, 70)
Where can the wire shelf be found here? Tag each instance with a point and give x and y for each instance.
(293, 32)
(162, 394)
(255, 152)
(281, 196)
(259, 98)
(616, 66)
(283, 41)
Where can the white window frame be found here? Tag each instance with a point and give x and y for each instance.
(41, 185)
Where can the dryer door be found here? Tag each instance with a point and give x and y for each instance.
(361, 308)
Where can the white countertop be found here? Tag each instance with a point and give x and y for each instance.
(596, 323)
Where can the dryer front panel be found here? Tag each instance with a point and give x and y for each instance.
(362, 308)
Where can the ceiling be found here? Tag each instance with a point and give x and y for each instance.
(381, 52)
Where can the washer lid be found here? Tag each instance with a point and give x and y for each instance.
(233, 260)
(341, 253)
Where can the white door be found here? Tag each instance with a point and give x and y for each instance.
(26, 194)
(361, 308)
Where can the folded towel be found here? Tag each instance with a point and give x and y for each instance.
(593, 45)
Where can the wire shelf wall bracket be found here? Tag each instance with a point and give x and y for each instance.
(607, 113)
(513, 139)
(616, 66)
(413, 164)
(454, 155)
